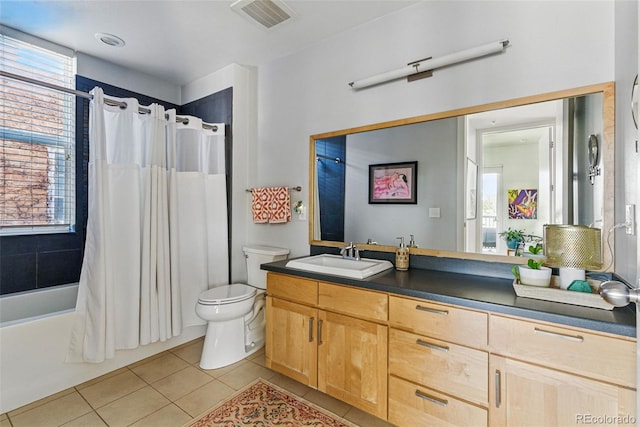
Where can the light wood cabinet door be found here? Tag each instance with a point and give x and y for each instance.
(522, 394)
(352, 361)
(291, 346)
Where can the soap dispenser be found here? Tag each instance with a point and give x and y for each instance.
(402, 256)
(412, 242)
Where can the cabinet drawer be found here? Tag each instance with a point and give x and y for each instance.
(573, 350)
(411, 405)
(451, 368)
(291, 288)
(353, 301)
(452, 324)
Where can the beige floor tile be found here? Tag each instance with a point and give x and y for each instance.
(148, 359)
(101, 378)
(53, 413)
(188, 343)
(112, 388)
(245, 374)
(4, 422)
(90, 420)
(258, 359)
(191, 353)
(327, 402)
(160, 367)
(257, 354)
(290, 385)
(362, 418)
(181, 383)
(40, 402)
(169, 416)
(133, 407)
(217, 373)
(198, 401)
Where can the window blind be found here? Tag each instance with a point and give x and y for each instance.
(37, 142)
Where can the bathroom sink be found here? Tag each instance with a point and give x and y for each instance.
(338, 266)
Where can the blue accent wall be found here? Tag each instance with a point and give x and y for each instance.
(331, 181)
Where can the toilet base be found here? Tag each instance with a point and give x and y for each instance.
(224, 344)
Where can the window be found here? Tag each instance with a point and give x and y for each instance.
(37, 149)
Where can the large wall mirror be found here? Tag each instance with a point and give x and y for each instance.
(480, 171)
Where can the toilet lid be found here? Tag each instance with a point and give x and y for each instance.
(227, 294)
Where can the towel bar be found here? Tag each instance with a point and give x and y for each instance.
(298, 188)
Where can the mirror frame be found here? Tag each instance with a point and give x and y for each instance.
(607, 149)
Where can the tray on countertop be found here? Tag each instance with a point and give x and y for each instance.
(555, 294)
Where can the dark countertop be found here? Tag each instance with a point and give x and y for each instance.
(493, 294)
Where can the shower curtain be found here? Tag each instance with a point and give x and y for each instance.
(136, 285)
(198, 211)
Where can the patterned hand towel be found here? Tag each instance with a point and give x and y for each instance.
(260, 205)
(271, 204)
(279, 205)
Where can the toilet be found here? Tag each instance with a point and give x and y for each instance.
(235, 313)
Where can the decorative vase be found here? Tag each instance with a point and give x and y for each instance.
(512, 243)
(535, 277)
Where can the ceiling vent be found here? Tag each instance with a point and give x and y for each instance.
(267, 13)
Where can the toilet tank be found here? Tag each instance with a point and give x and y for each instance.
(255, 255)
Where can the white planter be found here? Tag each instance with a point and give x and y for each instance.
(532, 277)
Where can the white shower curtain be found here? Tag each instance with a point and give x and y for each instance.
(198, 211)
(131, 291)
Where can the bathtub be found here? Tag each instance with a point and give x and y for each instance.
(35, 328)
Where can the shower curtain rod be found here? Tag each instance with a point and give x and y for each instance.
(335, 159)
(86, 95)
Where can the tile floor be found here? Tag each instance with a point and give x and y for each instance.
(167, 389)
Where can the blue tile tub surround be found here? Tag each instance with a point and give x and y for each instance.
(482, 289)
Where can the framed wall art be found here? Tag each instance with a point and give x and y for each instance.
(393, 183)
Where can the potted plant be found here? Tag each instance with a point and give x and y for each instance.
(513, 237)
(534, 273)
(535, 251)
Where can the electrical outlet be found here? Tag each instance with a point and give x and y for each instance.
(630, 219)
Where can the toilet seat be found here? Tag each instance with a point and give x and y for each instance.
(227, 294)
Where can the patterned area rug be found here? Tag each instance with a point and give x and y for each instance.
(264, 404)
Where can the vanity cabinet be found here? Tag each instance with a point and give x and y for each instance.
(543, 374)
(330, 337)
(438, 364)
(417, 362)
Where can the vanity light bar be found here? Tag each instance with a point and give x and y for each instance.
(432, 63)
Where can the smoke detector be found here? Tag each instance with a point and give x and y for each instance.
(266, 13)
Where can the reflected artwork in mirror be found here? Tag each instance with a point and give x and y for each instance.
(471, 161)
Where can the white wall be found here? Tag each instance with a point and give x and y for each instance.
(554, 45)
(107, 72)
(627, 169)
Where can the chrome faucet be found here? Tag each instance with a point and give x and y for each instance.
(350, 252)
